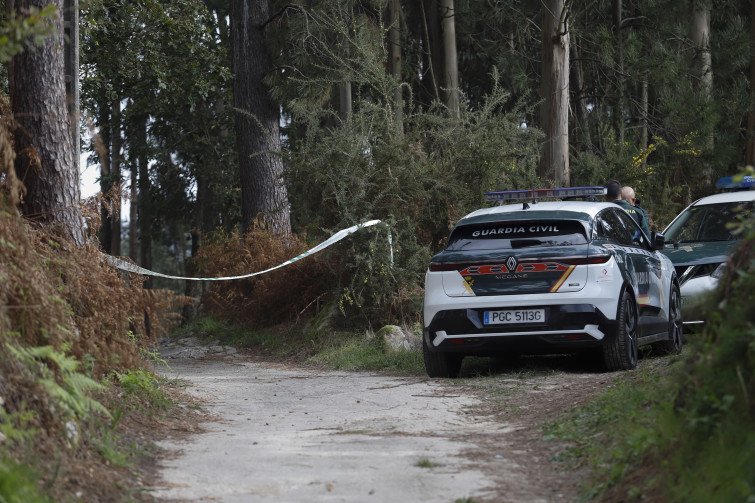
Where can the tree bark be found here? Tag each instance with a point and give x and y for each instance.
(394, 38)
(145, 211)
(133, 214)
(264, 197)
(104, 149)
(44, 145)
(428, 38)
(750, 156)
(554, 113)
(619, 106)
(116, 144)
(449, 56)
(580, 102)
(701, 39)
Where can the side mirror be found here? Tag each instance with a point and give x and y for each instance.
(657, 240)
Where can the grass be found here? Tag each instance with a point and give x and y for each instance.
(18, 484)
(614, 431)
(333, 350)
(359, 353)
(425, 463)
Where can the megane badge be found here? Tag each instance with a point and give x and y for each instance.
(511, 264)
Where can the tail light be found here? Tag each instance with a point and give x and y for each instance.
(581, 260)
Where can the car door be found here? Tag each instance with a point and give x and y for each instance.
(649, 275)
(638, 263)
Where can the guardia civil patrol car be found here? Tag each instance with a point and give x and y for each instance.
(549, 277)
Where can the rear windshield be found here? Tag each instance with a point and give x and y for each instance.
(518, 234)
(707, 222)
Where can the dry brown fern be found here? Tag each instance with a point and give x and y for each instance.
(270, 299)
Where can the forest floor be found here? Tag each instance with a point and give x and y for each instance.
(286, 432)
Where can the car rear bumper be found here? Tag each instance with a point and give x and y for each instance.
(568, 327)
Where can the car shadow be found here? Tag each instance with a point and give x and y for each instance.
(590, 362)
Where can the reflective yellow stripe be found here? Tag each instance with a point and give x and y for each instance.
(562, 279)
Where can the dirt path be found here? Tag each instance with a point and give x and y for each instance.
(290, 434)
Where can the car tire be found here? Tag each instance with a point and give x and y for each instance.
(441, 364)
(622, 351)
(673, 345)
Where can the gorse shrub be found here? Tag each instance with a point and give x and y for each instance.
(419, 182)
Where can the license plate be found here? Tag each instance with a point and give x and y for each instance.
(514, 316)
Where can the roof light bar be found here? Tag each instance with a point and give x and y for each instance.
(535, 194)
(728, 183)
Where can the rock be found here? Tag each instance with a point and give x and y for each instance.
(393, 338)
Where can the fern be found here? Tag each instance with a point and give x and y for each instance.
(70, 389)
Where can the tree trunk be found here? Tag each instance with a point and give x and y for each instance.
(580, 102)
(701, 39)
(554, 113)
(619, 108)
(750, 156)
(394, 36)
(133, 214)
(44, 145)
(106, 183)
(644, 116)
(116, 142)
(144, 203)
(428, 38)
(264, 197)
(449, 56)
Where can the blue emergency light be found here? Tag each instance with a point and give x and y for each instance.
(727, 183)
(504, 196)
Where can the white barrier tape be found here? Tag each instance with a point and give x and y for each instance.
(127, 266)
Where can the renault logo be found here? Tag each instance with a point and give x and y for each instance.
(511, 264)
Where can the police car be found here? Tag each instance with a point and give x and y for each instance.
(549, 277)
(699, 240)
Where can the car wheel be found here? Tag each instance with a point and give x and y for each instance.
(621, 353)
(673, 345)
(441, 364)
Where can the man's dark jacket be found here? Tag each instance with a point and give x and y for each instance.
(637, 213)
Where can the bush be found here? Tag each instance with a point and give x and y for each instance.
(419, 182)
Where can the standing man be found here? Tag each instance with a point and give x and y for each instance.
(627, 194)
(613, 195)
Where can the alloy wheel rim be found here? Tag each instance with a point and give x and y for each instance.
(630, 325)
(676, 317)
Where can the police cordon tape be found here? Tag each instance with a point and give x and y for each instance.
(129, 267)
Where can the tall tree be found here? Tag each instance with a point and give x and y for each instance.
(394, 40)
(450, 57)
(750, 155)
(264, 197)
(44, 145)
(701, 39)
(554, 90)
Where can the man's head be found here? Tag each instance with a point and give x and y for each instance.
(627, 194)
(613, 190)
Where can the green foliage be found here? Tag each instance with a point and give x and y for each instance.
(690, 423)
(425, 463)
(143, 384)
(108, 445)
(59, 375)
(23, 31)
(18, 426)
(420, 183)
(18, 484)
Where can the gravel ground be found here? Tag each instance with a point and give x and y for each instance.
(282, 433)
